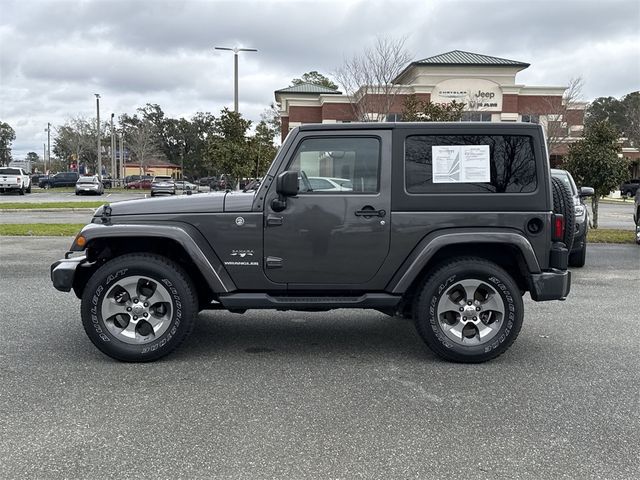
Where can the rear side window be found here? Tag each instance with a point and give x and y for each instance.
(511, 164)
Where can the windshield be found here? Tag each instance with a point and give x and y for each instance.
(9, 171)
(162, 179)
(87, 180)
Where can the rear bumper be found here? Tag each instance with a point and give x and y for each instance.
(550, 285)
(64, 271)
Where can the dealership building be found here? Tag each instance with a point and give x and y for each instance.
(486, 85)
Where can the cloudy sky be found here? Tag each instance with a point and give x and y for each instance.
(54, 55)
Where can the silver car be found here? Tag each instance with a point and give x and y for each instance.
(163, 184)
(89, 184)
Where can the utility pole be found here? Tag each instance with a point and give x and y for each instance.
(122, 167)
(99, 172)
(44, 156)
(113, 151)
(235, 51)
(48, 156)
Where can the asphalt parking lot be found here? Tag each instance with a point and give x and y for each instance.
(339, 395)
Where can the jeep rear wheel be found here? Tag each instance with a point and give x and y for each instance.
(138, 307)
(469, 310)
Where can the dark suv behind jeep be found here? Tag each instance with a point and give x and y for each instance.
(449, 224)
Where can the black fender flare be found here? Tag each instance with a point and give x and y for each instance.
(200, 252)
(432, 243)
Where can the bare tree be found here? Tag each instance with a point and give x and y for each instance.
(561, 116)
(367, 78)
(142, 141)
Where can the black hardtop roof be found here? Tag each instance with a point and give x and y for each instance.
(414, 125)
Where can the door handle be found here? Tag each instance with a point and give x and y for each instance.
(274, 220)
(370, 212)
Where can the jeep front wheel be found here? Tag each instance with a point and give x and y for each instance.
(138, 307)
(469, 310)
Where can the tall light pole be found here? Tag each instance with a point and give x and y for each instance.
(99, 172)
(48, 130)
(113, 150)
(122, 166)
(235, 51)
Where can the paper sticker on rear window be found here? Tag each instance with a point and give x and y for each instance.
(460, 164)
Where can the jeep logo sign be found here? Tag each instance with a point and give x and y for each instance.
(477, 93)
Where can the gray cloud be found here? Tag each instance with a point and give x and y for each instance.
(55, 54)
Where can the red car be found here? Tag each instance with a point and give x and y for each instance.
(143, 184)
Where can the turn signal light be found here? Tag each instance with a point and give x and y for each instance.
(558, 228)
(81, 241)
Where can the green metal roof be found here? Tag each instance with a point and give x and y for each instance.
(459, 57)
(307, 88)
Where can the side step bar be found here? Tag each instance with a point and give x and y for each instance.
(237, 301)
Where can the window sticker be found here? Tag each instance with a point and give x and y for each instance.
(460, 164)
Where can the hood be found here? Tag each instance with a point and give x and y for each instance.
(197, 203)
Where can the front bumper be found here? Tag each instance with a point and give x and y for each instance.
(63, 272)
(550, 285)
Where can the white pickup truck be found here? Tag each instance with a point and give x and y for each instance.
(14, 179)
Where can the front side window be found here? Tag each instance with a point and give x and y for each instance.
(338, 164)
(505, 162)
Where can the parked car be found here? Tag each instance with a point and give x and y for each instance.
(14, 179)
(636, 216)
(184, 185)
(578, 254)
(330, 184)
(630, 187)
(142, 183)
(163, 184)
(89, 184)
(456, 253)
(62, 179)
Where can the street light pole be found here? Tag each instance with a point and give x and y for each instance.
(235, 51)
(99, 172)
(122, 166)
(113, 150)
(48, 156)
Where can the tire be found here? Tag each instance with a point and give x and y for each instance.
(579, 257)
(563, 204)
(21, 190)
(173, 307)
(439, 320)
(29, 189)
(78, 193)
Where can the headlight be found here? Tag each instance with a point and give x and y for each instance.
(579, 210)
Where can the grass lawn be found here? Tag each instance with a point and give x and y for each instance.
(611, 235)
(41, 229)
(40, 205)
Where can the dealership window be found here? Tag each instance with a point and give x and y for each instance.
(332, 164)
(511, 164)
(475, 117)
(531, 118)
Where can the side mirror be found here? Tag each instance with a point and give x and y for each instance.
(586, 192)
(286, 186)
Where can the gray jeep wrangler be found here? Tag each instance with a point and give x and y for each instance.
(446, 223)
